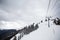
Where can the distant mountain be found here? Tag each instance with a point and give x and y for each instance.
(6, 33)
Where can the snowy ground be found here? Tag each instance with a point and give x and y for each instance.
(44, 33)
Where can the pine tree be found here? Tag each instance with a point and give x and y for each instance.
(14, 38)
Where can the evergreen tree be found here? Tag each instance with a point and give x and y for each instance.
(15, 38)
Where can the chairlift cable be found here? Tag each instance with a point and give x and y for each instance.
(48, 6)
(54, 4)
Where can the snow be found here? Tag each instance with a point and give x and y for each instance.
(44, 33)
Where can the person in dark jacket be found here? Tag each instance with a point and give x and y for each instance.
(57, 21)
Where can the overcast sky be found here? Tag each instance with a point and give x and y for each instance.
(25, 11)
(28, 10)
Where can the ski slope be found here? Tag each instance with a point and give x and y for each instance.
(44, 33)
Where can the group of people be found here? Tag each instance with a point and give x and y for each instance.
(57, 21)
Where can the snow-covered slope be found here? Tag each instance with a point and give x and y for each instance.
(44, 33)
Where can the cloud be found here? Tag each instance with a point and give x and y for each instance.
(22, 9)
(12, 25)
(26, 10)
